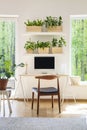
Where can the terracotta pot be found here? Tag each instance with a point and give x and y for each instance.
(3, 84)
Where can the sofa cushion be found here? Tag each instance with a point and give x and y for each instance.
(75, 80)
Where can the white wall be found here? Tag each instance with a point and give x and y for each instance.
(32, 9)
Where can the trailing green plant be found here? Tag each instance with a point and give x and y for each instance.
(30, 45)
(37, 22)
(43, 44)
(58, 42)
(53, 21)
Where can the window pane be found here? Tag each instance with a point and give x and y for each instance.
(7, 42)
(79, 47)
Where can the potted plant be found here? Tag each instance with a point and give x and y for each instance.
(34, 25)
(43, 47)
(30, 46)
(6, 71)
(57, 45)
(61, 42)
(53, 24)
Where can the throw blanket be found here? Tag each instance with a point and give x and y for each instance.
(43, 123)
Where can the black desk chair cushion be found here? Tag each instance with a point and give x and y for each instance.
(48, 90)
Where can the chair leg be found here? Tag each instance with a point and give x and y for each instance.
(32, 99)
(59, 103)
(52, 101)
(38, 104)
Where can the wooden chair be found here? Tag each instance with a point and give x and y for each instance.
(46, 91)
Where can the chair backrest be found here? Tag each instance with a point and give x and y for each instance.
(47, 77)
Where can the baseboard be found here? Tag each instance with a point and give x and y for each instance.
(65, 100)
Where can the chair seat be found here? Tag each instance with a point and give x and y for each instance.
(48, 90)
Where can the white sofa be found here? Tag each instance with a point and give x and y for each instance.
(74, 89)
(76, 81)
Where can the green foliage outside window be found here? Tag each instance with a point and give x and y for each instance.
(7, 43)
(79, 48)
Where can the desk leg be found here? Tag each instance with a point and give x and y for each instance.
(64, 89)
(22, 90)
(16, 89)
(21, 85)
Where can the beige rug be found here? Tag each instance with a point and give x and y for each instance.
(43, 123)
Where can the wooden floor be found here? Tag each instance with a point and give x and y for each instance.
(69, 109)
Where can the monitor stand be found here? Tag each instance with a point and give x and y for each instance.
(44, 72)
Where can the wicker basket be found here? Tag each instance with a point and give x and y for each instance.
(43, 51)
(33, 28)
(56, 50)
(55, 29)
(30, 51)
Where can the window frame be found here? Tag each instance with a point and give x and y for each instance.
(14, 18)
(71, 18)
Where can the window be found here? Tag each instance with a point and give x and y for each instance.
(79, 46)
(8, 39)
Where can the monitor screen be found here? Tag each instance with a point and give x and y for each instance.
(44, 62)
